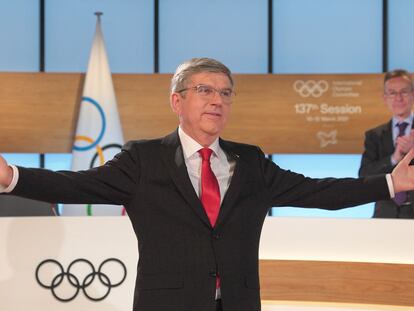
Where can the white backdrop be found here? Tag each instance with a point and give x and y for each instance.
(26, 242)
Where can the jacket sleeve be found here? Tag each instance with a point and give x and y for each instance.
(112, 183)
(286, 188)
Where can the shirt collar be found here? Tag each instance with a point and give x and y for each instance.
(190, 146)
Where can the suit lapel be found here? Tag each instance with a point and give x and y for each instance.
(174, 161)
(388, 142)
(235, 185)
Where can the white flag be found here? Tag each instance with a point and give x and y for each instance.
(98, 133)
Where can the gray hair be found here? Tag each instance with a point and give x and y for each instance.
(197, 65)
(398, 73)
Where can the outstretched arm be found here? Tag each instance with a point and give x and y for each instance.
(115, 182)
(403, 174)
(6, 173)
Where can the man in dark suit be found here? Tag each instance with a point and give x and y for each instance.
(386, 144)
(197, 202)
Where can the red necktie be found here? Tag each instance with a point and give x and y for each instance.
(210, 191)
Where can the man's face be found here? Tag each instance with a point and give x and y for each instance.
(399, 97)
(203, 112)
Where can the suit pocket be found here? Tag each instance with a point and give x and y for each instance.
(160, 281)
(252, 281)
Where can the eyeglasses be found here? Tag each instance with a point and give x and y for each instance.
(208, 92)
(403, 93)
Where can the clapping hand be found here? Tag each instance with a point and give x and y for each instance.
(403, 145)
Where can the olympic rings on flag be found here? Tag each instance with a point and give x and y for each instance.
(91, 143)
(99, 150)
(102, 132)
(99, 153)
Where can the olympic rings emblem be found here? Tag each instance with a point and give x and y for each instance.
(102, 132)
(75, 281)
(310, 88)
(91, 143)
(99, 154)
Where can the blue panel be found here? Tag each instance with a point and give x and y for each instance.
(58, 161)
(22, 159)
(234, 33)
(400, 34)
(127, 26)
(319, 166)
(19, 35)
(325, 36)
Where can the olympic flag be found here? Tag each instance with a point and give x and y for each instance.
(98, 134)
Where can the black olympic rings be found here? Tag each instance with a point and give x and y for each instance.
(78, 284)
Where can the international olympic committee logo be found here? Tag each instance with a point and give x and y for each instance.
(310, 88)
(96, 143)
(81, 274)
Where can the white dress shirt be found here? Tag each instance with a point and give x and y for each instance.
(221, 166)
(13, 182)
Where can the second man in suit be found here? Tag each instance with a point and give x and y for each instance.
(386, 144)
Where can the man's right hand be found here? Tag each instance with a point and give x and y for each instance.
(6, 173)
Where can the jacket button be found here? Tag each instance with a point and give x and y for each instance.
(216, 236)
(213, 273)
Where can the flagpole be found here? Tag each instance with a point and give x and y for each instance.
(98, 14)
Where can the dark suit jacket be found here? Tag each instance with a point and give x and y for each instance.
(376, 159)
(179, 252)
